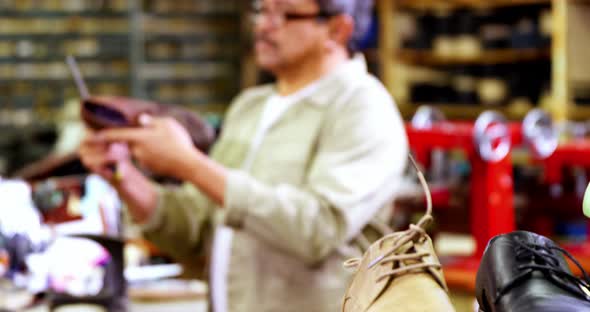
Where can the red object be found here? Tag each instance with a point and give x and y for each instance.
(573, 153)
(72, 188)
(441, 196)
(460, 272)
(570, 154)
(492, 192)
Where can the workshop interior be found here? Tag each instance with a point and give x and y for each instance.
(495, 101)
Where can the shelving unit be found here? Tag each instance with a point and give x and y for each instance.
(191, 55)
(399, 63)
(36, 37)
(486, 57)
(178, 52)
(454, 4)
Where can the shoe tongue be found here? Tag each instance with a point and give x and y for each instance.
(379, 269)
(423, 245)
(366, 286)
(426, 246)
(375, 252)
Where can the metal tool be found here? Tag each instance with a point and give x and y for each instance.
(492, 136)
(84, 95)
(77, 75)
(425, 116)
(540, 133)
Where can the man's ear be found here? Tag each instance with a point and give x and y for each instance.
(341, 28)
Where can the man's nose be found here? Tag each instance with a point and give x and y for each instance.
(263, 23)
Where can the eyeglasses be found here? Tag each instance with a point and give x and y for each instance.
(278, 18)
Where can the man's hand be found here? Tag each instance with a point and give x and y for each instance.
(162, 145)
(104, 158)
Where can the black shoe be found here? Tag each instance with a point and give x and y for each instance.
(523, 271)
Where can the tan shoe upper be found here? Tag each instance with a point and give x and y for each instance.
(404, 278)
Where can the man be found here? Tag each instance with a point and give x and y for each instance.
(300, 168)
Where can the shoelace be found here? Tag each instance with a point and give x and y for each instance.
(542, 260)
(414, 234)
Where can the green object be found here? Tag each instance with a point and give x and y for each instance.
(586, 202)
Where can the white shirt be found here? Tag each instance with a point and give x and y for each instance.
(274, 108)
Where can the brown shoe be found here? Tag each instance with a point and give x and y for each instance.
(111, 112)
(399, 272)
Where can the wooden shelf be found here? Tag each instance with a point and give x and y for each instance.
(459, 111)
(60, 36)
(486, 57)
(191, 38)
(462, 111)
(453, 4)
(192, 15)
(64, 80)
(59, 14)
(59, 58)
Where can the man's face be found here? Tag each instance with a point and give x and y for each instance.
(286, 32)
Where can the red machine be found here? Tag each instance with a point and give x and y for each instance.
(570, 154)
(487, 144)
(542, 137)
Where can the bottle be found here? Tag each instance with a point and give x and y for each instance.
(492, 88)
(443, 41)
(545, 26)
(467, 42)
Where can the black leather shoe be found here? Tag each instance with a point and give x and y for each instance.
(523, 271)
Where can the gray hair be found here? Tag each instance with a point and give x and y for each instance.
(360, 10)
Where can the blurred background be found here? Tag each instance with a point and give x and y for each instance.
(460, 58)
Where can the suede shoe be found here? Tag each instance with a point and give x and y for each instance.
(398, 276)
(399, 272)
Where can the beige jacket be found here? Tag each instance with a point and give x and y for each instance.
(325, 169)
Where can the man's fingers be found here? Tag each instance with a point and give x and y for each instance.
(86, 150)
(95, 161)
(118, 151)
(129, 135)
(101, 166)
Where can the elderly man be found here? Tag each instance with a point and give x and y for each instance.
(302, 166)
